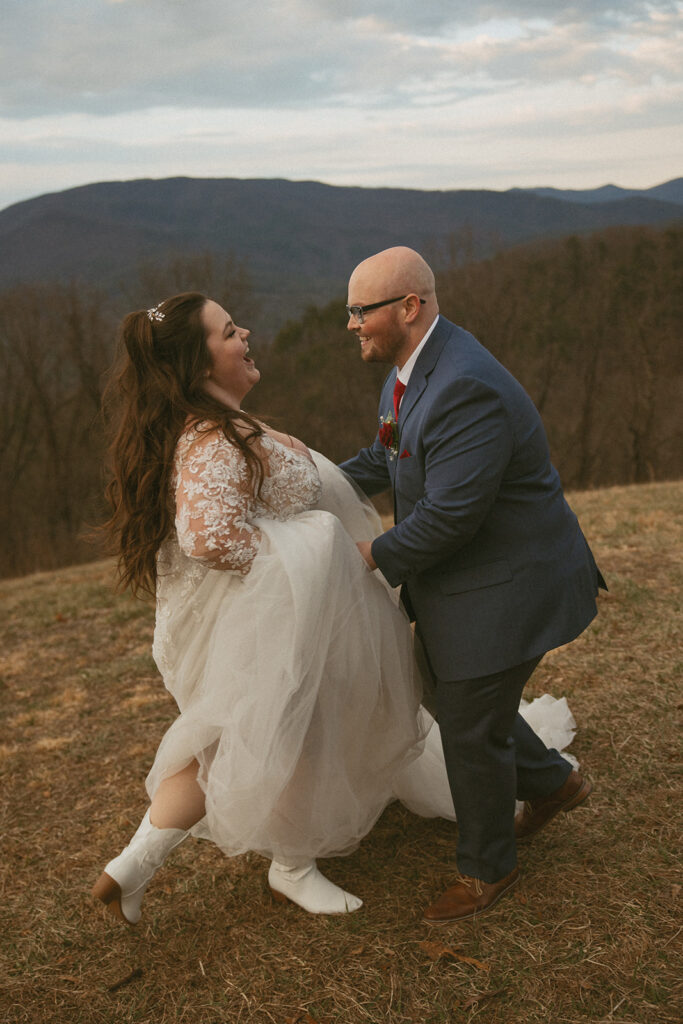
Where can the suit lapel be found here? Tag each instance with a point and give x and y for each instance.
(423, 367)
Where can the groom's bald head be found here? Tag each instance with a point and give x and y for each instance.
(400, 270)
(390, 333)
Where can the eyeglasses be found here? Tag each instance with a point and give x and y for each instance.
(358, 312)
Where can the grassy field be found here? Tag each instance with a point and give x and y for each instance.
(590, 935)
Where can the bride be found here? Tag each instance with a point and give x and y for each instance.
(291, 664)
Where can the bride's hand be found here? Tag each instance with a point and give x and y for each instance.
(365, 548)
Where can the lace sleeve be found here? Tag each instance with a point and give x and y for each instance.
(213, 500)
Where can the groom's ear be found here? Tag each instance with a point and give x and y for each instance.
(412, 307)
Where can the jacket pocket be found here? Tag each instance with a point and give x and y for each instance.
(476, 577)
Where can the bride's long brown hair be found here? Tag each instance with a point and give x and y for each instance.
(156, 390)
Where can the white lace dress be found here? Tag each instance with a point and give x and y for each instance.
(291, 664)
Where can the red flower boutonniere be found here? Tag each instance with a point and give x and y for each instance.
(388, 434)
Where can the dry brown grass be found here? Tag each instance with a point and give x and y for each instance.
(591, 935)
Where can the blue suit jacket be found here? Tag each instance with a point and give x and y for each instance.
(494, 566)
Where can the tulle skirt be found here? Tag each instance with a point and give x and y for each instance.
(296, 685)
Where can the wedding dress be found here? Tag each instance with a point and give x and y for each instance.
(291, 664)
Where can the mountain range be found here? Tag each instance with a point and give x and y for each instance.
(298, 239)
(668, 192)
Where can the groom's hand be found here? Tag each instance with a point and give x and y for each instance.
(365, 548)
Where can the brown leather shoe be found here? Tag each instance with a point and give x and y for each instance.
(537, 813)
(469, 897)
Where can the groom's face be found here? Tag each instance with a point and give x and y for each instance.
(383, 335)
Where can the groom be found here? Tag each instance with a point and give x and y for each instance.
(493, 565)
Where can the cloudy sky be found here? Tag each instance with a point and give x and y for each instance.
(435, 94)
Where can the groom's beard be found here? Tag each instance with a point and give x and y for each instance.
(383, 344)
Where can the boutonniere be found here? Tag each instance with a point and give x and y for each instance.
(388, 434)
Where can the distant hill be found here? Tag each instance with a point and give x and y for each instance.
(300, 239)
(668, 192)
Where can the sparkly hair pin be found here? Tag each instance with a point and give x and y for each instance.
(155, 313)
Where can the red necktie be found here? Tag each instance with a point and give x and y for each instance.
(399, 388)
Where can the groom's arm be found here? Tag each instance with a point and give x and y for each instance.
(468, 442)
(369, 468)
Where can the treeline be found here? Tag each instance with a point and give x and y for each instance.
(591, 326)
(57, 346)
(55, 343)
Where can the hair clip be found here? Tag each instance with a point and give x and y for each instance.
(155, 313)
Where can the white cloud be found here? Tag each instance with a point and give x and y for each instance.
(350, 92)
(106, 56)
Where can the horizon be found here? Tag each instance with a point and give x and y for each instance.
(315, 181)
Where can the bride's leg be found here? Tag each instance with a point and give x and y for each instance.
(179, 800)
(178, 804)
(297, 878)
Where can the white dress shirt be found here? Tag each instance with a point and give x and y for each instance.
(407, 368)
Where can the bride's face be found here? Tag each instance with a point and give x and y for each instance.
(232, 372)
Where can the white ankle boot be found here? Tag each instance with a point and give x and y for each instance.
(305, 886)
(122, 884)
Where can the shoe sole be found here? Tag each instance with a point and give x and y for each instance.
(581, 794)
(108, 892)
(475, 913)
